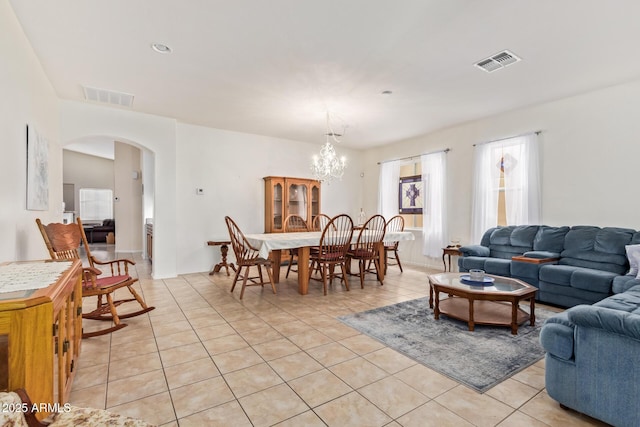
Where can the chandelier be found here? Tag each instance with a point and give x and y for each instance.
(327, 165)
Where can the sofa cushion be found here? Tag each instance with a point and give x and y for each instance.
(597, 248)
(486, 237)
(557, 274)
(524, 235)
(471, 262)
(580, 238)
(506, 242)
(628, 301)
(613, 240)
(501, 236)
(567, 296)
(550, 239)
(592, 280)
(611, 263)
(578, 277)
(497, 266)
(623, 283)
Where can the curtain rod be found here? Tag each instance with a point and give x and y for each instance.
(537, 132)
(446, 150)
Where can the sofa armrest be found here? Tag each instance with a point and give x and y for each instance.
(607, 319)
(475, 250)
(542, 255)
(557, 336)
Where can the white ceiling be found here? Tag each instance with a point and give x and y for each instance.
(275, 67)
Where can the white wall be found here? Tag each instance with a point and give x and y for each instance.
(27, 98)
(127, 206)
(148, 192)
(590, 151)
(229, 166)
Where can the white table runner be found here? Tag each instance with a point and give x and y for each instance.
(30, 275)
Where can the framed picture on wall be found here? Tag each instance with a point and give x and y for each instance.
(37, 171)
(411, 195)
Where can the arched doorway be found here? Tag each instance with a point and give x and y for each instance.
(122, 167)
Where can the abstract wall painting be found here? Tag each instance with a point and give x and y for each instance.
(37, 171)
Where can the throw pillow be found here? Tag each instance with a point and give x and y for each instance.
(633, 254)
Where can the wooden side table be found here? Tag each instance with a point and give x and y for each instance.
(455, 251)
(224, 250)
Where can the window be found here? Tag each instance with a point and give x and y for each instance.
(506, 184)
(432, 170)
(96, 204)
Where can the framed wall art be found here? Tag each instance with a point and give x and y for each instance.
(37, 171)
(411, 195)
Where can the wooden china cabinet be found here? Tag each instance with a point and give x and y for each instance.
(285, 196)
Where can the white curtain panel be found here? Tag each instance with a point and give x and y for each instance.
(486, 178)
(434, 215)
(522, 183)
(388, 189)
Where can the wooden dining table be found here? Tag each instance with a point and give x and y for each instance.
(274, 243)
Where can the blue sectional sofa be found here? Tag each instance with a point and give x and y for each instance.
(569, 265)
(592, 355)
(593, 347)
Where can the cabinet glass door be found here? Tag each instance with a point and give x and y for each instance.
(277, 206)
(298, 200)
(315, 202)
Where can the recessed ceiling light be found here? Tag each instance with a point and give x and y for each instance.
(161, 48)
(386, 92)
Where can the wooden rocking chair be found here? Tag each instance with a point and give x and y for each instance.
(63, 242)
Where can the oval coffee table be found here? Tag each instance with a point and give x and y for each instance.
(496, 303)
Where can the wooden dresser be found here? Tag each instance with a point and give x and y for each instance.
(40, 330)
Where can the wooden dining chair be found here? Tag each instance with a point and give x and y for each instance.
(292, 224)
(394, 224)
(101, 279)
(247, 256)
(366, 248)
(320, 222)
(332, 250)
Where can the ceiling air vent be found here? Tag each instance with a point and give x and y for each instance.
(108, 96)
(497, 61)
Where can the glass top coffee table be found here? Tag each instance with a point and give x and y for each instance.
(495, 303)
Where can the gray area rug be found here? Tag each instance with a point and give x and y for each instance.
(479, 359)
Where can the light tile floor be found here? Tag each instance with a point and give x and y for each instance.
(205, 358)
